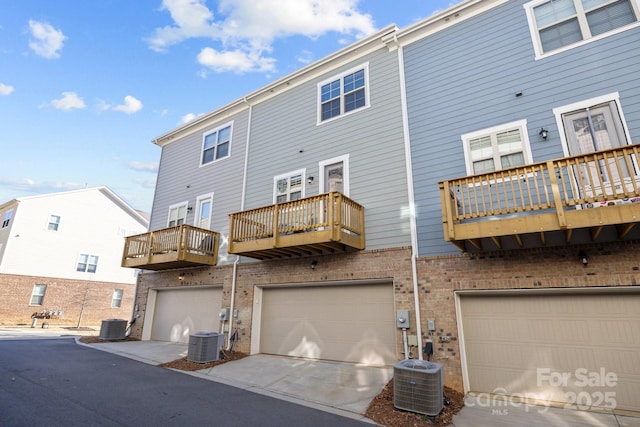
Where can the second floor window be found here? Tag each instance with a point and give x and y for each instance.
(560, 23)
(87, 263)
(497, 148)
(288, 187)
(216, 144)
(54, 222)
(177, 215)
(343, 94)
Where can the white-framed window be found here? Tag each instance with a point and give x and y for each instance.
(177, 214)
(289, 186)
(334, 174)
(216, 144)
(204, 205)
(87, 263)
(54, 222)
(344, 93)
(558, 25)
(591, 125)
(37, 295)
(116, 299)
(497, 148)
(7, 218)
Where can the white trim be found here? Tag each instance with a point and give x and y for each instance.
(521, 124)
(558, 112)
(176, 206)
(345, 172)
(209, 132)
(301, 172)
(199, 199)
(535, 34)
(367, 101)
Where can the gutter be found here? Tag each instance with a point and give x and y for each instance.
(411, 197)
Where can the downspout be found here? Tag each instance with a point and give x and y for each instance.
(411, 196)
(234, 274)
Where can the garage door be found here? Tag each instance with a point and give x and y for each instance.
(580, 349)
(343, 323)
(181, 312)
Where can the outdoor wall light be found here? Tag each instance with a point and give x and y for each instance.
(583, 258)
(313, 264)
(189, 208)
(181, 277)
(310, 180)
(543, 133)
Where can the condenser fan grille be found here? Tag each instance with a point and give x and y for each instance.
(418, 386)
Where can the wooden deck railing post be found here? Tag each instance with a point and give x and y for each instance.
(447, 217)
(555, 190)
(276, 217)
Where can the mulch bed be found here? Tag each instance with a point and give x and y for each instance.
(186, 365)
(98, 340)
(382, 411)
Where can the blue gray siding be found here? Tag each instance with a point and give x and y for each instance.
(286, 124)
(180, 178)
(465, 78)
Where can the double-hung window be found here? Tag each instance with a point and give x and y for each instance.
(343, 94)
(177, 214)
(7, 218)
(216, 144)
(37, 295)
(558, 24)
(54, 223)
(87, 263)
(497, 148)
(289, 187)
(116, 299)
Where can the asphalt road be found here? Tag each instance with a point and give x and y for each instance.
(56, 382)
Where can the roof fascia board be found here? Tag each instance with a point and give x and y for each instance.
(311, 71)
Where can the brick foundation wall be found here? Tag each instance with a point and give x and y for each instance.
(439, 277)
(62, 294)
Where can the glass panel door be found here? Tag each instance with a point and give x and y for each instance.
(334, 177)
(203, 219)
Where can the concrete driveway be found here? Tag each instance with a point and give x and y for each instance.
(341, 388)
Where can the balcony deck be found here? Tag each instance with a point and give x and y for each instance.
(593, 192)
(323, 224)
(173, 247)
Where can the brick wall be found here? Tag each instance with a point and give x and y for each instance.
(62, 294)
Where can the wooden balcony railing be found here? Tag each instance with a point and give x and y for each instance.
(173, 247)
(556, 195)
(327, 223)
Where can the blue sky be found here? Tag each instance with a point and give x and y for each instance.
(86, 85)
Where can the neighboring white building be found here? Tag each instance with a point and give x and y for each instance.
(61, 252)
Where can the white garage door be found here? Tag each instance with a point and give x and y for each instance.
(181, 312)
(582, 349)
(344, 323)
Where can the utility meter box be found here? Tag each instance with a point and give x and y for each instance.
(224, 314)
(402, 319)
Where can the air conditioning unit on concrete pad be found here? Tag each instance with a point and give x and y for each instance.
(204, 347)
(418, 386)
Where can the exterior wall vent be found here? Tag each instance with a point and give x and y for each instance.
(113, 329)
(418, 386)
(204, 347)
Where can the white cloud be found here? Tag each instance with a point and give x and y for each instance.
(305, 57)
(188, 117)
(46, 41)
(246, 29)
(240, 61)
(69, 101)
(143, 167)
(131, 105)
(5, 89)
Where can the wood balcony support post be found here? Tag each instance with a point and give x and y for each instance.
(555, 190)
